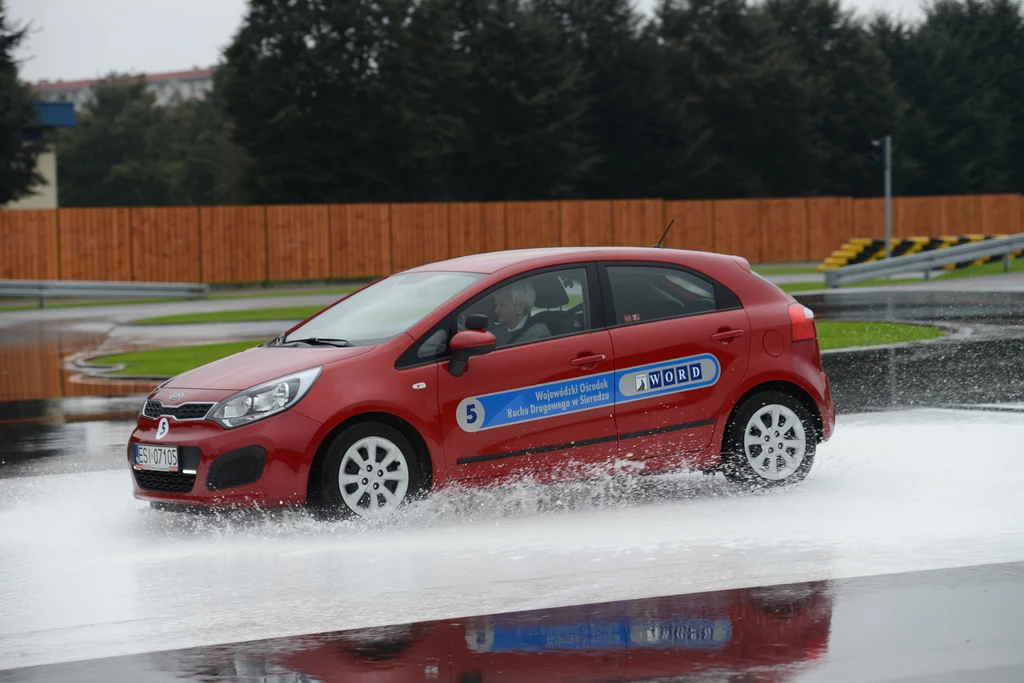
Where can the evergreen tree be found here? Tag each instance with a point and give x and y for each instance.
(735, 70)
(421, 116)
(527, 104)
(339, 101)
(961, 71)
(20, 143)
(399, 100)
(632, 121)
(853, 96)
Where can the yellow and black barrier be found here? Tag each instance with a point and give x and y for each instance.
(862, 249)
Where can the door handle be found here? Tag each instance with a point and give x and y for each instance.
(727, 335)
(588, 360)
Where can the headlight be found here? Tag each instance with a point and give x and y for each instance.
(263, 400)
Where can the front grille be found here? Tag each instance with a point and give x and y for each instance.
(168, 482)
(189, 411)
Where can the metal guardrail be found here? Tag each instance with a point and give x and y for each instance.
(101, 289)
(926, 261)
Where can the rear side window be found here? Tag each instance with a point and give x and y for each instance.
(645, 293)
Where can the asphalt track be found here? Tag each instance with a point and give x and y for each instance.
(900, 558)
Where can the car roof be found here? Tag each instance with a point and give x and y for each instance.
(526, 259)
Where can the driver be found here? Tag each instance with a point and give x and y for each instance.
(513, 306)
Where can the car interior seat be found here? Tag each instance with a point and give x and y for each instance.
(550, 294)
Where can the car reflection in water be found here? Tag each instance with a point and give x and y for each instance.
(722, 636)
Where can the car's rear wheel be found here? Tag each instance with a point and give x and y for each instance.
(769, 441)
(370, 468)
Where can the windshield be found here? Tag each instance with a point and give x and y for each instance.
(386, 308)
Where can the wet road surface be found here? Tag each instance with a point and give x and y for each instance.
(82, 434)
(946, 625)
(946, 374)
(908, 304)
(87, 572)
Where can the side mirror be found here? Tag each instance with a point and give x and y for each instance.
(466, 344)
(477, 321)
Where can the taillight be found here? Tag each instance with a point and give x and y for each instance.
(802, 319)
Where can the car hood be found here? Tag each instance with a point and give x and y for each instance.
(260, 364)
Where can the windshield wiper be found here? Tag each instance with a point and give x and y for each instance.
(317, 341)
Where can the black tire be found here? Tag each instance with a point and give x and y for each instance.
(735, 464)
(786, 600)
(331, 498)
(379, 644)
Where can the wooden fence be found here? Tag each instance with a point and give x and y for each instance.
(318, 242)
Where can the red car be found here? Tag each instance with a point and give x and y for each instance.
(552, 363)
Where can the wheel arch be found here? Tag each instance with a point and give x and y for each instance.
(790, 388)
(407, 430)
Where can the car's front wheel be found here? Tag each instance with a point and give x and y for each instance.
(770, 441)
(370, 468)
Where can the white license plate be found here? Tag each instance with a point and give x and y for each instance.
(161, 458)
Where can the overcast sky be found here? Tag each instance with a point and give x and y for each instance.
(78, 39)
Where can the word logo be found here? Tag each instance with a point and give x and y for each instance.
(667, 377)
(657, 379)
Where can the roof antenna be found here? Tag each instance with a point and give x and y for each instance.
(658, 245)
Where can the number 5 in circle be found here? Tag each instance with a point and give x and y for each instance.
(470, 415)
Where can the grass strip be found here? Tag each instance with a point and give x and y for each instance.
(284, 292)
(253, 315)
(845, 335)
(785, 270)
(793, 287)
(171, 361)
(983, 270)
(1016, 266)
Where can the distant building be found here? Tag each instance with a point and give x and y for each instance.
(44, 196)
(169, 88)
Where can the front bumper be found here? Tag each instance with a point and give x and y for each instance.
(263, 464)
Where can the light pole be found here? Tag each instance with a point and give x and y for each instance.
(886, 145)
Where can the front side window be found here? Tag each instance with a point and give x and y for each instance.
(386, 308)
(645, 293)
(542, 306)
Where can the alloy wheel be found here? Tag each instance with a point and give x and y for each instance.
(774, 442)
(374, 476)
